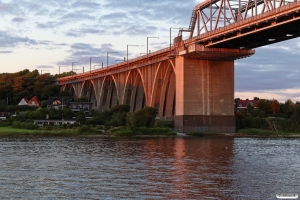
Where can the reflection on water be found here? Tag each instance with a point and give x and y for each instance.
(148, 168)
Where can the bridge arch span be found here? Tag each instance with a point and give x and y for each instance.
(108, 96)
(163, 90)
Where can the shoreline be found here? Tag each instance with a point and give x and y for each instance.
(14, 132)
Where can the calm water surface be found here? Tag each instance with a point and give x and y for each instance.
(148, 168)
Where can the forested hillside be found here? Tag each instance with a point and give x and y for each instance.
(15, 86)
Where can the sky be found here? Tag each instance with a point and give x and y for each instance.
(44, 35)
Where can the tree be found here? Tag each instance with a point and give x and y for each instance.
(144, 117)
(275, 106)
(265, 105)
(289, 107)
(80, 118)
(255, 98)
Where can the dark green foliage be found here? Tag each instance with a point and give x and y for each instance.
(15, 108)
(25, 125)
(163, 123)
(258, 113)
(116, 116)
(250, 122)
(15, 86)
(99, 118)
(120, 108)
(122, 131)
(117, 119)
(144, 117)
(80, 118)
(126, 131)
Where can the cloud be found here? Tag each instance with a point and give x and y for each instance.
(18, 19)
(273, 67)
(5, 52)
(9, 40)
(90, 5)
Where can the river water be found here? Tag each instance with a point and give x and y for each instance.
(148, 168)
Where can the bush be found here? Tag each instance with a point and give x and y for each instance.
(122, 131)
(24, 125)
(162, 123)
(84, 129)
(144, 117)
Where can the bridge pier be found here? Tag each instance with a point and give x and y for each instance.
(204, 95)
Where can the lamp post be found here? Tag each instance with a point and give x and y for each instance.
(91, 63)
(147, 44)
(107, 57)
(73, 64)
(127, 49)
(59, 69)
(171, 35)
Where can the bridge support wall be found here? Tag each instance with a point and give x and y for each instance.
(204, 95)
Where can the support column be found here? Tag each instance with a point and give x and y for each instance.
(204, 95)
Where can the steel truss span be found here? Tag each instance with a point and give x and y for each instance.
(244, 24)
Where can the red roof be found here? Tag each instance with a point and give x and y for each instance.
(34, 101)
(244, 103)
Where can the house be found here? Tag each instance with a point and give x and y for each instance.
(5, 115)
(23, 102)
(53, 122)
(86, 107)
(34, 101)
(242, 104)
(59, 102)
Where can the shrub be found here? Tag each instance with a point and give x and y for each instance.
(122, 131)
(84, 129)
(144, 117)
(163, 123)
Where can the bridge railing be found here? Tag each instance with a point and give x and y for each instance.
(122, 66)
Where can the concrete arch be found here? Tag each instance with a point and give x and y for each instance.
(88, 90)
(70, 88)
(108, 95)
(134, 94)
(168, 100)
(163, 90)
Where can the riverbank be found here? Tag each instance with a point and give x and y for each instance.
(12, 132)
(243, 133)
(8, 131)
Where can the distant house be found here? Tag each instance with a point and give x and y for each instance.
(34, 101)
(5, 115)
(59, 102)
(53, 122)
(242, 104)
(23, 102)
(86, 107)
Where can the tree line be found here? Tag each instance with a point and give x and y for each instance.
(25, 83)
(286, 116)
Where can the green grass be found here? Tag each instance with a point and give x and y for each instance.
(10, 131)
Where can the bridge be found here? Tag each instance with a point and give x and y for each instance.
(192, 81)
